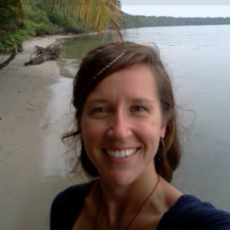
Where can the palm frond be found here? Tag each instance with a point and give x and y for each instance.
(101, 15)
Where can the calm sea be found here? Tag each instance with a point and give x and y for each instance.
(198, 59)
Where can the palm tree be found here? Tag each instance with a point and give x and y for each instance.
(99, 15)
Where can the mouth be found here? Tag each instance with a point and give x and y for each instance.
(120, 153)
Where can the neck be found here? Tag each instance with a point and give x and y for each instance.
(118, 201)
(119, 190)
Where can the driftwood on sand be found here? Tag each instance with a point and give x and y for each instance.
(41, 54)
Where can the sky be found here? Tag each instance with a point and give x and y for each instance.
(177, 8)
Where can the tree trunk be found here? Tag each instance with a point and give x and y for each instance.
(12, 56)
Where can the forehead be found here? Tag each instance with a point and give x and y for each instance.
(136, 81)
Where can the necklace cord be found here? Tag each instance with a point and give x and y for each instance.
(137, 212)
(142, 205)
(98, 208)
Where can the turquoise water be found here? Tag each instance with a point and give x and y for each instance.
(198, 59)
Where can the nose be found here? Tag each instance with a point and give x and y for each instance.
(120, 126)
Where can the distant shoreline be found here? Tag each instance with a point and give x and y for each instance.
(136, 21)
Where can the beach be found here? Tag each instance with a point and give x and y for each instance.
(34, 113)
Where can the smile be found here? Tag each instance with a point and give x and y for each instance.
(120, 153)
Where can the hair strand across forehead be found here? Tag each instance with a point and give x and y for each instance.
(111, 63)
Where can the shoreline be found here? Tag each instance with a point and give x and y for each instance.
(32, 119)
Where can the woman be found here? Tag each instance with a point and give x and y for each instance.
(126, 123)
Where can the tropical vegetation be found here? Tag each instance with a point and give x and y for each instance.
(21, 19)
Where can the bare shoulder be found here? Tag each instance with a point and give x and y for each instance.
(168, 195)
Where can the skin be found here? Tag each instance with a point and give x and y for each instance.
(123, 113)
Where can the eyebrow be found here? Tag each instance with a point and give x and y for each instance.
(96, 101)
(136, 100)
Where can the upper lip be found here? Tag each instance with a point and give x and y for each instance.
(119, 148)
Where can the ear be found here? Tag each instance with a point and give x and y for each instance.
(162, 133)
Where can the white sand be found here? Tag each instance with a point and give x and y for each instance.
(34, 107)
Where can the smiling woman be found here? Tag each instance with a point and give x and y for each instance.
(127, 125)
(122, 125)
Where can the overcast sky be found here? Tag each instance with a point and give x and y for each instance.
(177, 8)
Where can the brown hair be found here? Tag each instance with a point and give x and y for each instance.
(104, 61)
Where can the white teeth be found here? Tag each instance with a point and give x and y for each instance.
(120, 154)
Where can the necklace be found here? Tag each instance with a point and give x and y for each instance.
(137, 212)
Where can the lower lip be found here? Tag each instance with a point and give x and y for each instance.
(114, 159)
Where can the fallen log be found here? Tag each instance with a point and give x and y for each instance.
(40, 59)
(41, 54)
(35, 61)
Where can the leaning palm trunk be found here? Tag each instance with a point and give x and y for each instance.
(11, 58)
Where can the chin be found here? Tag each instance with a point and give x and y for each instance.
(120, 179)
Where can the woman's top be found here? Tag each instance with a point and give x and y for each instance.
(188, 213)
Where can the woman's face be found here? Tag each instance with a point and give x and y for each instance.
(122, 124)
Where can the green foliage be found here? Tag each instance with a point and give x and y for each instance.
(63, 21)
(37, 15)
(20, 33)
(16, 29)
(48, 21)
(12, 28)
(8, 11)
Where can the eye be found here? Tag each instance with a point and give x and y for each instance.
(138, 108)
(100, 112)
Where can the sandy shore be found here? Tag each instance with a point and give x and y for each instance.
(34, 108)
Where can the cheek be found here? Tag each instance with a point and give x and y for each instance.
(151, 133)
(91, 134)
